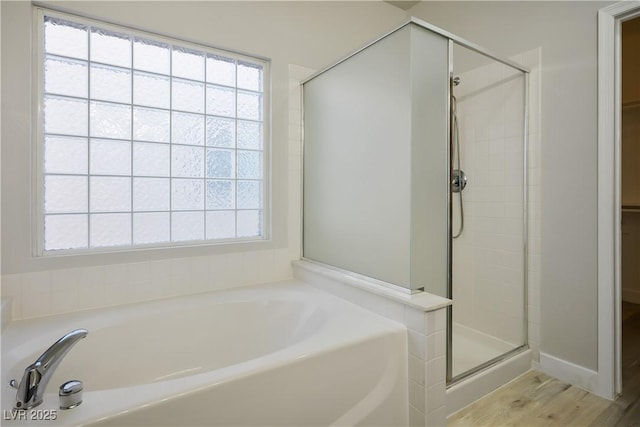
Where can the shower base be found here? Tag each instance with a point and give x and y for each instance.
(472, 348)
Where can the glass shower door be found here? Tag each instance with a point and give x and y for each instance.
(488, 216)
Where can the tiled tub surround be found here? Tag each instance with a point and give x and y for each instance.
(74, 289)
(424, 316)
(277, 354)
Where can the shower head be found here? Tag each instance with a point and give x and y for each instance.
(456, 81)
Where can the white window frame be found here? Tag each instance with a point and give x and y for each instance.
(38, 213)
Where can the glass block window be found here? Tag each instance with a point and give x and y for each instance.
(146, 140)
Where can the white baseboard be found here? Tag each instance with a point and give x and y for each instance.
(571, 373)
(631, 295)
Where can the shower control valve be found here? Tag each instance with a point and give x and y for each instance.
(458, 180)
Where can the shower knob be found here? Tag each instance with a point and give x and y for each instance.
(458, 180)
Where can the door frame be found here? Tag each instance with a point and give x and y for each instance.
(609, 379)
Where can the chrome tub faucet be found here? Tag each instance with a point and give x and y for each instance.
(37, 375)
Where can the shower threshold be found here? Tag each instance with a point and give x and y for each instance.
(474, 351)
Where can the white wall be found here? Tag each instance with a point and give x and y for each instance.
(310, 34)
(567, 35)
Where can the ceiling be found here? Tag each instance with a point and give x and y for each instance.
(404, 5)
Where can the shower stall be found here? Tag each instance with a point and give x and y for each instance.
(414, 174)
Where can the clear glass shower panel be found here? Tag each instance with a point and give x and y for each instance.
(488, 281)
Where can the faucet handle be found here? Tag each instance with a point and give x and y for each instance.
(70, 394)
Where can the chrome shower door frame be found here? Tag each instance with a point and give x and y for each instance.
(450, 379)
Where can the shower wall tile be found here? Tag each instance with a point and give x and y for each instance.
(416, 370)
(417, 395)
(91, 294)
(179, 267)
(10, 286)
(415, 320)
(417, 418)
(416, 342)
(63, 291)
(139, 272)
(250, 267)
(436, 395)
(266, 267)
(437, 417)
(282, 262)
(435, 370)
(165, 288)
(117, 293)
(395, 311)
(65, 298)
(200, 274)
(159, 271)
(35, 289)
(436, 345)
(435, 321)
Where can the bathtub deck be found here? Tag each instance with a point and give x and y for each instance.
(282, 353)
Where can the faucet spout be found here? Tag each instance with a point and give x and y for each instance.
(37, 375)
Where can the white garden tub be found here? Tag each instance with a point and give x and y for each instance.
(277, 354)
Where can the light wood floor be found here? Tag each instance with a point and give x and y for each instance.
(535, 399)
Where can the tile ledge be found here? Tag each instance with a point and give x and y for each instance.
(422, 301)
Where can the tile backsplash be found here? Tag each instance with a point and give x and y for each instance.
(61, 291)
